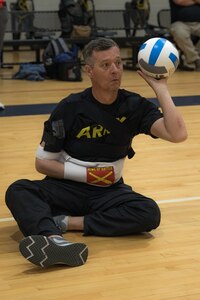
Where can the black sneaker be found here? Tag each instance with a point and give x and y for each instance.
(43, 251)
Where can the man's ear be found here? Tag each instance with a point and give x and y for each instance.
(88, 70)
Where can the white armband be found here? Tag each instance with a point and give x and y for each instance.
(42, 154)
(94, 173)
(75, 172)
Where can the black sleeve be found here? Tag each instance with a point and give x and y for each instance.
(140, 112)
(53, 135)
(151, 113)
(54, 131)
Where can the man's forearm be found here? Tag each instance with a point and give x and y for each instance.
(52, 168)
(173, 121)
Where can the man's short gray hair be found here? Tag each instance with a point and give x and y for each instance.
(99, 44)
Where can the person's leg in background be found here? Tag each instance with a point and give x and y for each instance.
(196, 34)
(182, 34)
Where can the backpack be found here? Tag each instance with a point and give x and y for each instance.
(61, 62)
(75, 18)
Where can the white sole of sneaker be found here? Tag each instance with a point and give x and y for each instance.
(42, 252)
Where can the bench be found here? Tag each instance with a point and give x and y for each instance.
(30, 29)
(36, 29)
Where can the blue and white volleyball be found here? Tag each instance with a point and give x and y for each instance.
(158, 58)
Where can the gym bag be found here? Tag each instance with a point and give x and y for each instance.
(60, 62)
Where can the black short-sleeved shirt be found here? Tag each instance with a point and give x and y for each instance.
(184, 13)
(77, 125)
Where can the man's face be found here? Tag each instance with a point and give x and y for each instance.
(106, 69)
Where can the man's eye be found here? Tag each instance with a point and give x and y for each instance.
(118, 63)
(105, 65)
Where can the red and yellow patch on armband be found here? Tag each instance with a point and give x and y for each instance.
(102, 176)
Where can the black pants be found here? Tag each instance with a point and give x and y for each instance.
(108, 211)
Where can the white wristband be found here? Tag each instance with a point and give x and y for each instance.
(75, 172)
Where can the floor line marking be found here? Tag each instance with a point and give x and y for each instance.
(6, 219)
(178, 200)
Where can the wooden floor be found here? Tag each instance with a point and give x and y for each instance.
(161, 265)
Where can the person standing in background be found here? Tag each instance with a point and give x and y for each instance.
(185, 23)
(3, 22)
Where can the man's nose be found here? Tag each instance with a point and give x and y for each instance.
(114, 68)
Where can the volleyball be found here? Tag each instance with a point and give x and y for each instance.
(158, 58)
